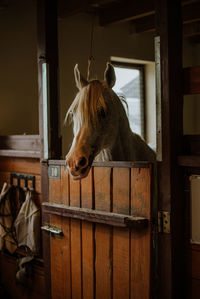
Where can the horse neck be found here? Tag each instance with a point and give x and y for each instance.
(121, 149)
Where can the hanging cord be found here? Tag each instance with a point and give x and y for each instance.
(91, 49)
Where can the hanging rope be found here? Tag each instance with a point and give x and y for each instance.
(91, 49)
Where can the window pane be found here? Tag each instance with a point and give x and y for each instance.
(128, 84)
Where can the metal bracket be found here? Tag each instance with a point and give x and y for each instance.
(164, 222)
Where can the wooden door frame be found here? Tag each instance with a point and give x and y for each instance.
(171, 246)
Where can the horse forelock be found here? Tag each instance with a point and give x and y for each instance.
(86, 105)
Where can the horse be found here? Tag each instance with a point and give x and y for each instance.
(101, 127)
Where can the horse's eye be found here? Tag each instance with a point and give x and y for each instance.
(71, 113)
(101, 113)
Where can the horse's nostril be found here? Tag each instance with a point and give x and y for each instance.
(82, 161)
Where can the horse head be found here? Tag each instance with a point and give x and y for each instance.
(94, 121)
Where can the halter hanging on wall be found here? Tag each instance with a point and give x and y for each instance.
(25, 177)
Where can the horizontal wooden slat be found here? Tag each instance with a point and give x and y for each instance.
(137, 164)
(191, 78)
(124, 11)
(21, 165)
(113, 219)
(190, 15)
(18, 153)
(20, 142)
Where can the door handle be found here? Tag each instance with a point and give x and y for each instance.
(54, 230)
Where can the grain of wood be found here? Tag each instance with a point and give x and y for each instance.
(87, 239)
(121, 241)
(75, 196)
(22, 165)
(140, 240)
(60, 260)
(103, 235)
(76, 242)
(64, 181)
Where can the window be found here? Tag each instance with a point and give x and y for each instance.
(130, 85)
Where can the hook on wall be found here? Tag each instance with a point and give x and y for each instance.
(25, 177)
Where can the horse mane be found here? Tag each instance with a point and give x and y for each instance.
(86, 105)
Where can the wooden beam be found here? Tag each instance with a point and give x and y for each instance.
(47, 55)
(125, 11)
(190, 14)
(20, 142)
(145, 24)
(90, 215)
(118, 164)
(20, 146)
(170, 246)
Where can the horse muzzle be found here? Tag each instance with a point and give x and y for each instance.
(79, 168)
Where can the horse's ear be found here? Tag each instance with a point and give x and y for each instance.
(109, 75)
(79, 79)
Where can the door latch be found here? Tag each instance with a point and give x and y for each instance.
(54, 230)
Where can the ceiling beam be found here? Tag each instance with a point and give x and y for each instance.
(190, 14)
(125, 11)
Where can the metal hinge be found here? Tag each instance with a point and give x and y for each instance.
(164, 222)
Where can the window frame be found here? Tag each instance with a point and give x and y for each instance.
(141, 68)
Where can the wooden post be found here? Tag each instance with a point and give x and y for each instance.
(48, 79)
(170, 246)
(47, 57)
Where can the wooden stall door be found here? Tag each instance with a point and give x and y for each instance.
(105, 247)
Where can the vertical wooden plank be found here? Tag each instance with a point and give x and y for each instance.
(87, 191)
(64, 185)
(87, 239)
(55, 190)
(60, 248)
(140, 240)
(103, 263)
(121, 241)
(45, 237)
(102, 177)
(76, 259)
(60, 260)
(76, 243)
(103, 234)
(75, 197)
